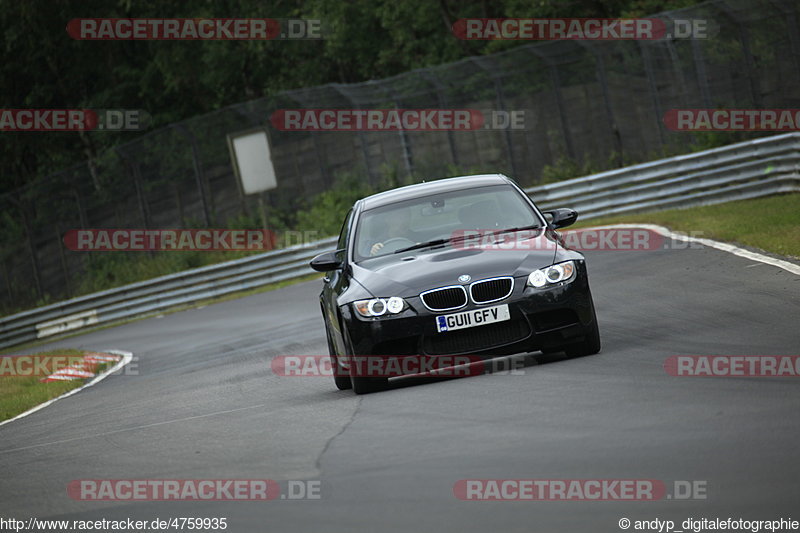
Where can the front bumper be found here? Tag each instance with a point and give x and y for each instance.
(540, 319)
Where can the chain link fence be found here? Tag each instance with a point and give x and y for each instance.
(598, 101)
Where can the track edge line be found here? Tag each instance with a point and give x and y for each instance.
(127, 357)
(723, 246)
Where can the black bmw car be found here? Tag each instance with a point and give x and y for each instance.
(465, 265)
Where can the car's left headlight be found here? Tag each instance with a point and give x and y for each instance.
(552, 275)
(376, 307)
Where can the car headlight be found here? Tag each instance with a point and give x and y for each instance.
(379, 306)
(552, 274)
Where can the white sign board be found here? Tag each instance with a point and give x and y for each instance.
(252, 161)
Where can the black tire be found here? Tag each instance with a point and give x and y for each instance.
(590, 344)
(362, 385)
(547, 351)
(340, 378)
(368, 385)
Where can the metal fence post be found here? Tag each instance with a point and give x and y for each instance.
(198, 170)
(602, 79)
(63, 259)
(562, 112)
(789, 11)
(362, 144)
(405, 146)
(323, 169)
(37, 275)
(651, 81)
(744, 42)
(443, 103)
(500, 103)
(136, 177)
(700, 72)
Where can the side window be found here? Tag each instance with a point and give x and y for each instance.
(342, 243)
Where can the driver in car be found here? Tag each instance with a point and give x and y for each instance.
(395, 224)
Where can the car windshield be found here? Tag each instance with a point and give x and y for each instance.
(384, 230)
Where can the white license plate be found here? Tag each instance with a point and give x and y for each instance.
(470, 319)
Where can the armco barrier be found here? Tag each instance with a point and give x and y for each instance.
(160, 293)
(739, 171)
(749, 169)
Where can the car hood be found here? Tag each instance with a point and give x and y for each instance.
(410, 273)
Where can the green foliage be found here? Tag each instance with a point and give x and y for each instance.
(106, 270)
(567, 168)
(328, 209)
(174, 80)
(706, 140)
(563, 169)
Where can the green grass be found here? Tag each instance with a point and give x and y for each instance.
(108, 270)
(18, 394)
(771, 223)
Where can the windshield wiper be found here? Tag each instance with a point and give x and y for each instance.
(435, 242)
(426, 244)
(514, 230)
(459, 238)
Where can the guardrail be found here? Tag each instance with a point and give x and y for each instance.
(735, 172)
(158, 294)
(745, 170)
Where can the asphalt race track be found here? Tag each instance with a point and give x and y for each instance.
(204, 404)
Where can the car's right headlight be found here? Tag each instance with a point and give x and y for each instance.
(552, 275)
(379, 306)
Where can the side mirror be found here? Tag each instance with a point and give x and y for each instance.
(325, 262)
(562, 217)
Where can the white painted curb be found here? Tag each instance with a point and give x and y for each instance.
(127, 357)
(725, 247)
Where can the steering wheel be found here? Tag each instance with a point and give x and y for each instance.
(395, 243)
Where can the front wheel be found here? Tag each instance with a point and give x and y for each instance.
(590, 344)
(340, 377)
(367, 385)
(361, 384)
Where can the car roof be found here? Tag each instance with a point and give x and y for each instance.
(432, 187)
